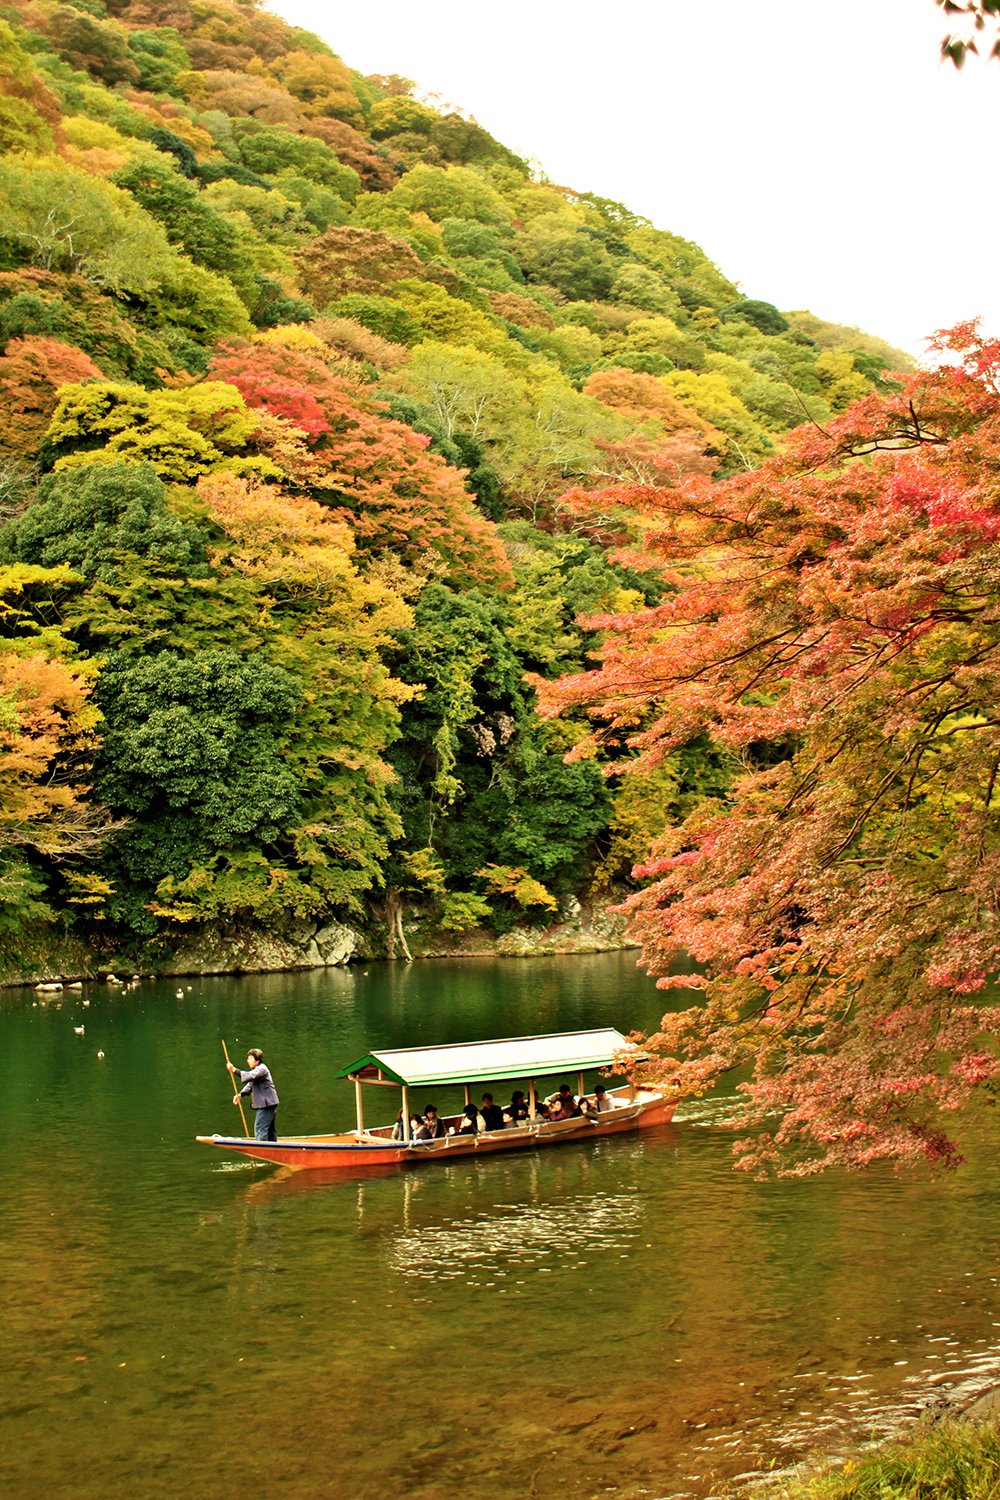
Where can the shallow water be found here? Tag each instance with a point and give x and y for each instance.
(623, 1316)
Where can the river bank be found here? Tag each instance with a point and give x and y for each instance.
(957, 1458)
(48, 954)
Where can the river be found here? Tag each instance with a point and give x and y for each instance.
(627, 1316)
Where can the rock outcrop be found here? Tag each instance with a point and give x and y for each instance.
(218, 949)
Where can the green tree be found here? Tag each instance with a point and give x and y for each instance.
(554, 250)
(93, 519)
(450, 193)
(189, 221)
(159, 55)
(64, 218)
(478, 783)
(190, 752)
(270, 152)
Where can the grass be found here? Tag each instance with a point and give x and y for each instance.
(950, 1462)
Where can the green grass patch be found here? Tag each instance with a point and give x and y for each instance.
(951, 1462)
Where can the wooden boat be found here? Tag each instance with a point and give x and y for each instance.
(511, 1060)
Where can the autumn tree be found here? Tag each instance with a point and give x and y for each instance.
(32, 371)
(28, 110)
(832, 624)
(374, 473)
(181, 433)
(322, 85)
(349, 261)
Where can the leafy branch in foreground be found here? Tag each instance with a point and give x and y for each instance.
(835, 624)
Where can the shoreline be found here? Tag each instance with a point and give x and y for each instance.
(45, 958)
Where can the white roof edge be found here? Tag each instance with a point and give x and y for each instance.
(504, 1041)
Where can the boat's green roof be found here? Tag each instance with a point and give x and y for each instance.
(511, 1057)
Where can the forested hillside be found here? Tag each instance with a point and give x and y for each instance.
(302, 382)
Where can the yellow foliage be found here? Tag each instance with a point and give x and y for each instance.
(182, 433)
(291, 336)
(510, 880)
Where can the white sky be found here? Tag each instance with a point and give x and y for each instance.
(819, 153)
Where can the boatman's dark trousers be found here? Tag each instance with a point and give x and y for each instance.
(263, 1125)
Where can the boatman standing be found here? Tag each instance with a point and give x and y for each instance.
(263, 1096)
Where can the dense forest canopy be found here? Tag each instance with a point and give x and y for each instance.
(335, 435)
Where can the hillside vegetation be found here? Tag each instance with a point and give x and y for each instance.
(295, 374)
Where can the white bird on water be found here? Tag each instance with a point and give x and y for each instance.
(78, 1030)
(100, 1054)
(180, 994)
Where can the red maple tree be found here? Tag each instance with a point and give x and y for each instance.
(832, 623)
(374, 473)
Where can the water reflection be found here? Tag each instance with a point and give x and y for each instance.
(516, 1235)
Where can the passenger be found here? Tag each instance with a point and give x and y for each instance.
(397, 1129)
(468, 1121)
(602, 1099)
(420, 1130)
(573, 1110)
(492, 1114)
(433, 1122)
(566, 1094)
(517, 1108)
(557, 1110)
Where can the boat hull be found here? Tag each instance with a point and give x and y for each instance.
(351, 1153)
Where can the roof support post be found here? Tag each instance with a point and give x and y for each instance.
(579, 1087)
(532, 1108)
(631, 1090)
(406, 1113)
(468, 1094)
(359, 1105)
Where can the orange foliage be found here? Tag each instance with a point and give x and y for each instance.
(46, 741)
(643, 397)
(31, 373)
(375, 474)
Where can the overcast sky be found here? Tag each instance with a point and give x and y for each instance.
(820, 153)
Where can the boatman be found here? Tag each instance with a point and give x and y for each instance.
(263, 1096)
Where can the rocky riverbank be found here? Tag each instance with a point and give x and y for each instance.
(46, 955)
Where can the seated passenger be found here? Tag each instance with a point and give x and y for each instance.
(420, 1130)
(566, 1094)
(468, 1121)
(602, 1099)
(557, 1110)
(492, 1114)
(517, 1108)
(397, 1129)
(433, 1122)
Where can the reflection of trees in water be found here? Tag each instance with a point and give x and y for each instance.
(523, 1233)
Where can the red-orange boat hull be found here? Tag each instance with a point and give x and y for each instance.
(350, 1153)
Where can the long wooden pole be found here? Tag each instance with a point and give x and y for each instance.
(236, 1091)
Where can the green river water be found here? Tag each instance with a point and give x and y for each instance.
(627, 1316)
